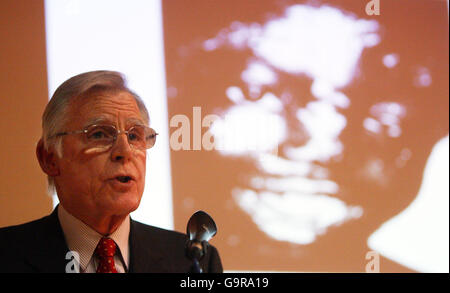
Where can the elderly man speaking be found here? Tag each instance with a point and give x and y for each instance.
(93, 150)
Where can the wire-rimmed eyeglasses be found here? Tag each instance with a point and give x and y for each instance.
(103, 136)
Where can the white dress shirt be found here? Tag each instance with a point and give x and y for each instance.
(83, 239)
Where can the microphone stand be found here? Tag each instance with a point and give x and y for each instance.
(195, 251)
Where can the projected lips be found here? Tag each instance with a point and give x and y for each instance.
(293, 199)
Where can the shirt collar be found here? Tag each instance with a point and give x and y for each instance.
(83, 239)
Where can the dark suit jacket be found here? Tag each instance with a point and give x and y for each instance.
(40, 246)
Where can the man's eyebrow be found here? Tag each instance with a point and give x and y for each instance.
(104, 120)
(98, 120)
(135, 121)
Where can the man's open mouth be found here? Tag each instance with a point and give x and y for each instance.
(123, 179)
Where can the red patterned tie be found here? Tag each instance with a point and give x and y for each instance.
(105, 251)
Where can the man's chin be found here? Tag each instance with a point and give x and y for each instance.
(124, 204)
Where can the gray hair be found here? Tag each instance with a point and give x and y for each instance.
(55, 114)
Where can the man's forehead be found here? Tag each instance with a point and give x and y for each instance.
(106, 108)
(105, 99)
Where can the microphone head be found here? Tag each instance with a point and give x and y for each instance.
(201, 227)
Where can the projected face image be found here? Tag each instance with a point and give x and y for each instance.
(293, 197)
(325, 128)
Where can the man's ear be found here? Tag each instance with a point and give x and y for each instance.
(47, 159)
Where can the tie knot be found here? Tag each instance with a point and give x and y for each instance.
(106, 247)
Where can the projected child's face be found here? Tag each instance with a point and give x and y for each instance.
(294, 137)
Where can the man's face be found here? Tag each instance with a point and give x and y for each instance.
(88, 184)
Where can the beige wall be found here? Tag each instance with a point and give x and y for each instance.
(23, 95)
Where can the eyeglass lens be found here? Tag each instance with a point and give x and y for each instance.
(141, 137)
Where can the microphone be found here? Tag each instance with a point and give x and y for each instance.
(200, 229)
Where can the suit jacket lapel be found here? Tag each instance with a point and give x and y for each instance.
(145, 253)
(48, 252)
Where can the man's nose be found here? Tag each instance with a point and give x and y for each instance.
(121, 149)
